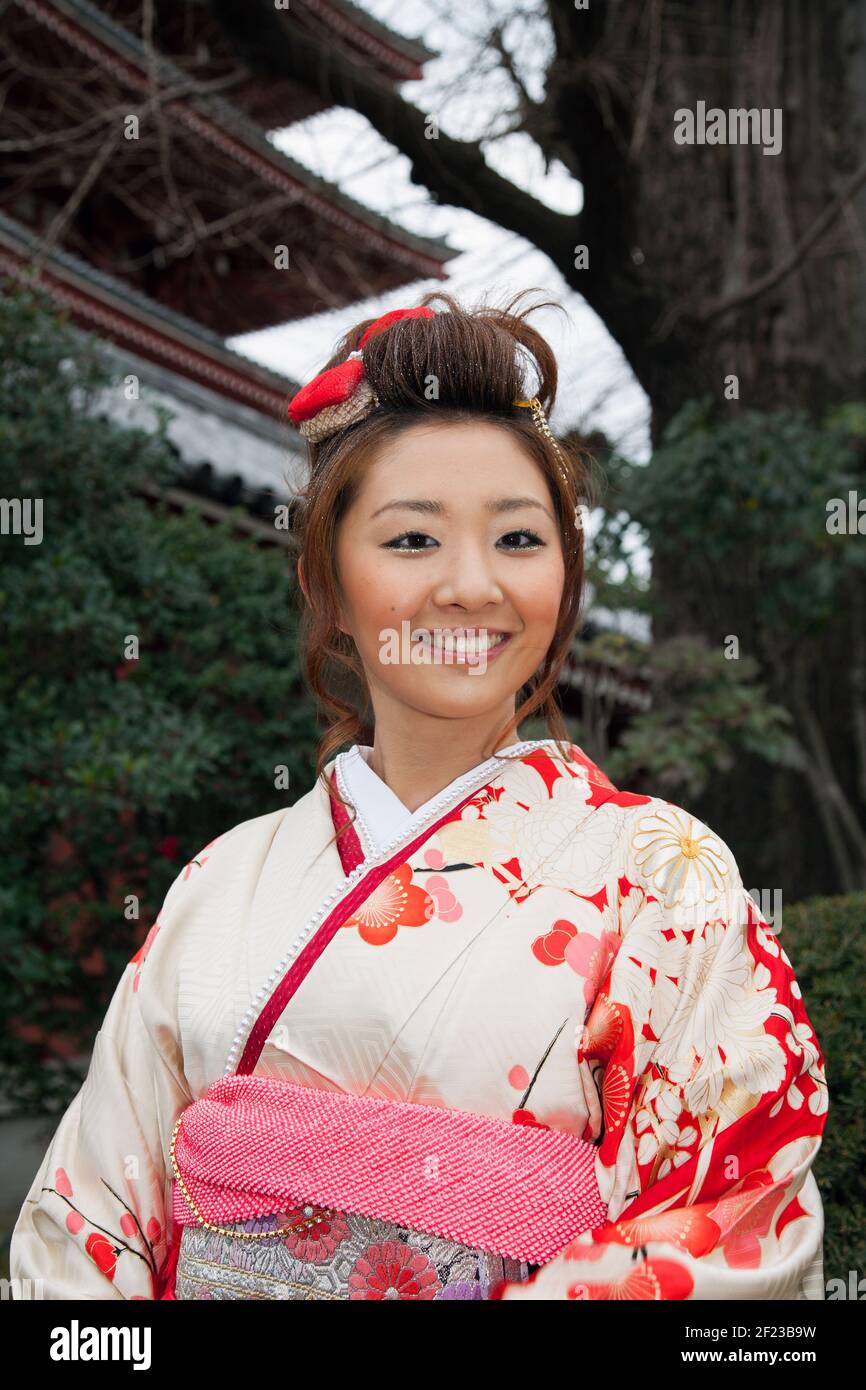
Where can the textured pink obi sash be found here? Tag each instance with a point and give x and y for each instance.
(252, 1146)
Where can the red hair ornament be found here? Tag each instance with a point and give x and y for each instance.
(342, 395)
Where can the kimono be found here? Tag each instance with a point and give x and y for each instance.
(534, 1040)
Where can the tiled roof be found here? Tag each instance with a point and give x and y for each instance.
(76, 20)
(115, 310)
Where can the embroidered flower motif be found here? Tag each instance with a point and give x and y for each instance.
(527, 822)
(316, 1243)
(524, 822)
(662, 1141)
(716, 1007)
(102, 1247)
(685, 862)
(396, 902)
(550, 948)
(393, 1270)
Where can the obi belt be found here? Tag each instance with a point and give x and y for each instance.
(284, 1191)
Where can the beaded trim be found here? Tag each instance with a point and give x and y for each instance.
(347, 884)
(295, 1228)
(361, 827)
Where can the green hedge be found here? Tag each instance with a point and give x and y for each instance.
(114, 772)
(825, 939)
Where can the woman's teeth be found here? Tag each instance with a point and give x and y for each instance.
(462, 646)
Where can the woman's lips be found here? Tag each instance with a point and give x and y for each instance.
(463, 650)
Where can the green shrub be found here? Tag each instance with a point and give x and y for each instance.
(825, 939)
(114, 772)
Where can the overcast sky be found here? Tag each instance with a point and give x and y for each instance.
(469, 99)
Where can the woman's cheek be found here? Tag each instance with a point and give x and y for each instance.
(538, 601)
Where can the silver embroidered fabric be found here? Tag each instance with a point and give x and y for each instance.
(342, 1256)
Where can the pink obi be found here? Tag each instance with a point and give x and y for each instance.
(288, 1191)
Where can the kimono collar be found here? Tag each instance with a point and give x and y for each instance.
(381, 814)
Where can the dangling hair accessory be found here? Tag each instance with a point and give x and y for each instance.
(541, 421)
(342, 395)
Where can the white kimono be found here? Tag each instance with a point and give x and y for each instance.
(530, 945)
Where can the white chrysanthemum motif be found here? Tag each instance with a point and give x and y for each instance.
(529, 823)
(658, 1127)
(681, 858)
(631, 982)
(560, 840)
(719, 1007)
(767, 939)
(803, 1044)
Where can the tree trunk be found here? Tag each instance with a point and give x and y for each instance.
(741, 257)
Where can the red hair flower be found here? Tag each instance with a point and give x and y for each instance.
(342, 395)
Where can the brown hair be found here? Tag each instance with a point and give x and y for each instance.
(478, 358)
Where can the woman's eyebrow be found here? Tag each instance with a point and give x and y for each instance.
(431, 507)
(412, 504)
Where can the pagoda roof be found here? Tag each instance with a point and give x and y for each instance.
(367, 253)
(113, 310)
(361, 24)
(185, 26)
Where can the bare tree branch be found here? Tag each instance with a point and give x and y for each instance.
(773, 277)
(454, 171)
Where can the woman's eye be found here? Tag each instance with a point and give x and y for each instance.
(416, 541)
(512, 540)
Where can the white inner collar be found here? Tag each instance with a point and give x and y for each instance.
(381, 815)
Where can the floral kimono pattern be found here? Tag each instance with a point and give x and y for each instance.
(549, 951)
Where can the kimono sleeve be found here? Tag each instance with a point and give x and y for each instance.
(708, 1080)
(93, 1225)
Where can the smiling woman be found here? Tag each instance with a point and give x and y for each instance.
(445, 502)
(466, 1021)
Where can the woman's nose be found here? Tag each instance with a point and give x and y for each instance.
(469, 579)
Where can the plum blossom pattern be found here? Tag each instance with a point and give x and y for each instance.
(103, 1247)
(583, 959)
(396, 902)
(447, 908)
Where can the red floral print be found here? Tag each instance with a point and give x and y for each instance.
(396, 902)
(393, 1270)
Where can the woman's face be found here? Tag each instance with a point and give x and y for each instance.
(451, 571)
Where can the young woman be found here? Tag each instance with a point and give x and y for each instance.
(465, 1021)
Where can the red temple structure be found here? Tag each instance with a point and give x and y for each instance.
(138, 186)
